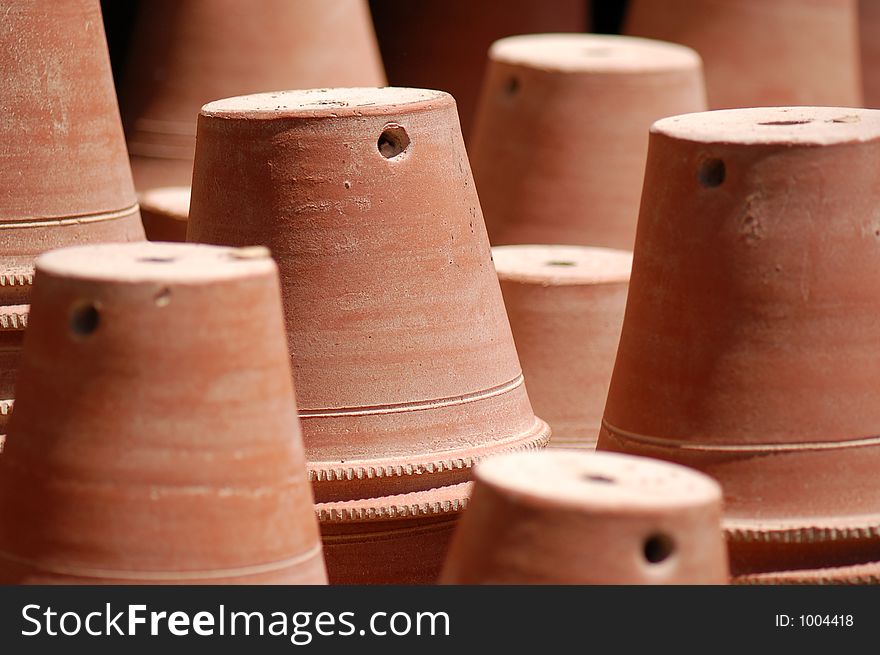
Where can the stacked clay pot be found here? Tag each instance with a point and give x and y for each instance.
(155, 430)
(64, 164)
(757, 53)
(402, 355)
(164, 211)
(185, 53)
(566, 517)
(560, 138)
(565, 305)
(442, 45)
(749, 347)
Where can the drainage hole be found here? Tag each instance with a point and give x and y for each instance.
(658, 548)
(84, 319)
(393, 141)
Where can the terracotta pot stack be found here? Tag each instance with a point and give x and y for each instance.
(565, 305)
(750, 344)
(62, 153)
(560, 138)
(185, 53)
(757, 53)
(164, 211)
(402, 355)
(442, 45)
(565, 517)
(155, 429)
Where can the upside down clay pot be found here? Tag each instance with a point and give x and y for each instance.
(185, 53)
(749, 345)
(560, 138)
(760, 53)
(164, 211)
(402, 356)
(155, 428)
(568, 517)
(443, 45)
(565, 305)
(63, 158)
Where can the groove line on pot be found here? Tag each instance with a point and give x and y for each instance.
(72, 220)
(393, 408)
(741, 448)
(860, 574)
(87, 572)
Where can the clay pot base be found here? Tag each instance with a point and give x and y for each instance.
(164, 212)
(593, 53)
(364, 478)
(392, 540)
(554, 265)
(857, 574)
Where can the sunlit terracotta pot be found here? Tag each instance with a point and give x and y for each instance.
(402, 356)
(155, 429)
(565, 305)
(164, 211)
(62, 151)
(757, 53)
(443, 45)
(569, 517)
(561, 133)
(185, 53)
(749, 346)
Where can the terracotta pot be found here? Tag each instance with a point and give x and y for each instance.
(59, 98)
(164, 211)
(155, 427)
(568, 517)
(760, 53)
(749, 345)
(565, 305)
(402, 356)
(443, 45)
(561, 133)
(185, 53)
(869, 41)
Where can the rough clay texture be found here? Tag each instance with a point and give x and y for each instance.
(568, 517)
(189, 52)
(760, 53)
(565, 305)
(749, 345)
(443, 45)
(155, 428)
(402, 356)
(559, 142)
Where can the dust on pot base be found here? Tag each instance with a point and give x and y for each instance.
(155, 426)
(402, 357)
(565, 305)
